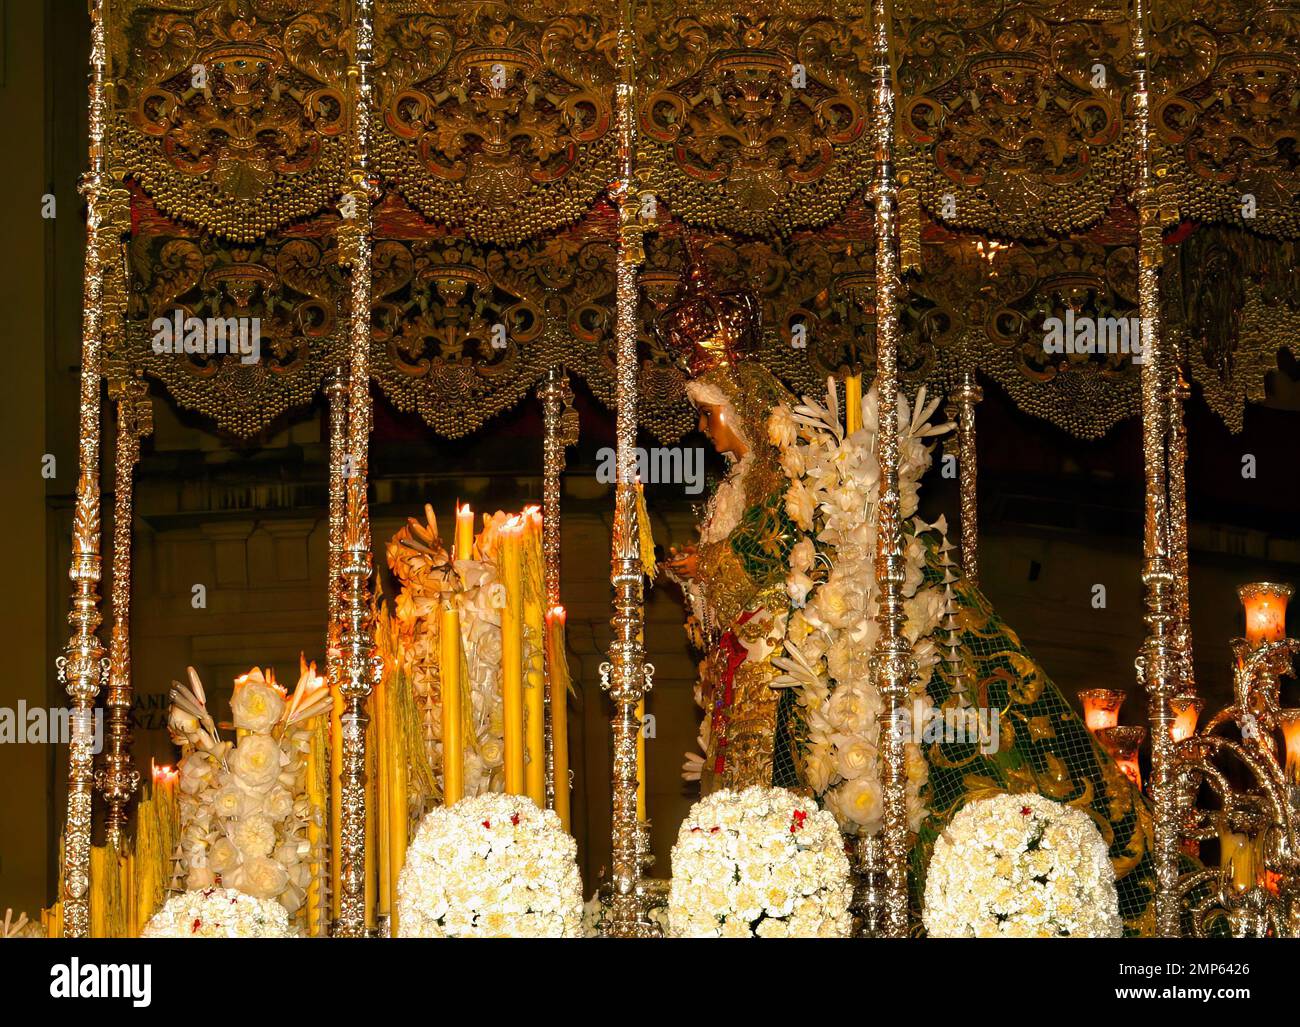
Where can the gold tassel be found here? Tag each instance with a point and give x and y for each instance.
(909, 228)
(645, 534)
(107, 914)
(422, 782)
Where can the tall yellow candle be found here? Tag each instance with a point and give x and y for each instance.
(464, 532)
(99, 889)
(157, 825)
(453, 716)
(336, 802)
(558, 664)
(852, 403)
(145, 868)
(534, 665)
(640, 759)
(383, 786)
(372, 827)
(127, 864)
(512, 653)
(396, 801)
(317, 782)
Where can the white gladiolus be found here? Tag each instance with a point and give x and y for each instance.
(832, 497)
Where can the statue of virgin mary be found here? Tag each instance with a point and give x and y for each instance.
(782, 584)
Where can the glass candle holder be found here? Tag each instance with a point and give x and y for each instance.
(1289, 721)
(1187, 711)
(1101, 707)
(1123, 743)
(1264, 603)
(1237, 858)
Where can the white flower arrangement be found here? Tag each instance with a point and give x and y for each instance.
(219, 913)
(763, 863)
(491, 866)
(1021, 866)
(243, 806)
(832, 630)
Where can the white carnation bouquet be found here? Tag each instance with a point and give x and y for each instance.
(832, 631)
(219, 913)
(1021, 866)
(763, 863)
(491, 866)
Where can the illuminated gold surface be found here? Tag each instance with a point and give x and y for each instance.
(362, 668)
(1158, 662)
(83, 666)
(627, 675)
(118, 779)
(892, 665)
(493, 141)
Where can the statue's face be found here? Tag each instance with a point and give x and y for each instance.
(715, 423)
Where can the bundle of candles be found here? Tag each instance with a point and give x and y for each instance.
(399, 784)
(406, 720)
(128, 886)
(533, 664)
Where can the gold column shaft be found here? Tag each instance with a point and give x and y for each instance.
(336, 392)
(1178, 397)
(966, 396)
(555, 395)
(625, 675)
(361, 668)
(83, 666)
(118, 779)
(1157, 663)
(892, 665)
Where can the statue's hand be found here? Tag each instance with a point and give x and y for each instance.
(683, 563)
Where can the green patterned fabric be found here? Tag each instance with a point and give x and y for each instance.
(763, 539)
(1044, 747)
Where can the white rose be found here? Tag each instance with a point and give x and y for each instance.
(859, 802)
(818, 767)
(223, 857)
(230, 802)
(261, 877)
(256, 760)
(278, 803)
(256, 706)
(792, 461)
(196, 772)
(492, 752)
(853, 757)
(200, 877)
(802, 555)
(286, 855)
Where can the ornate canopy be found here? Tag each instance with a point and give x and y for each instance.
(494, 148)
